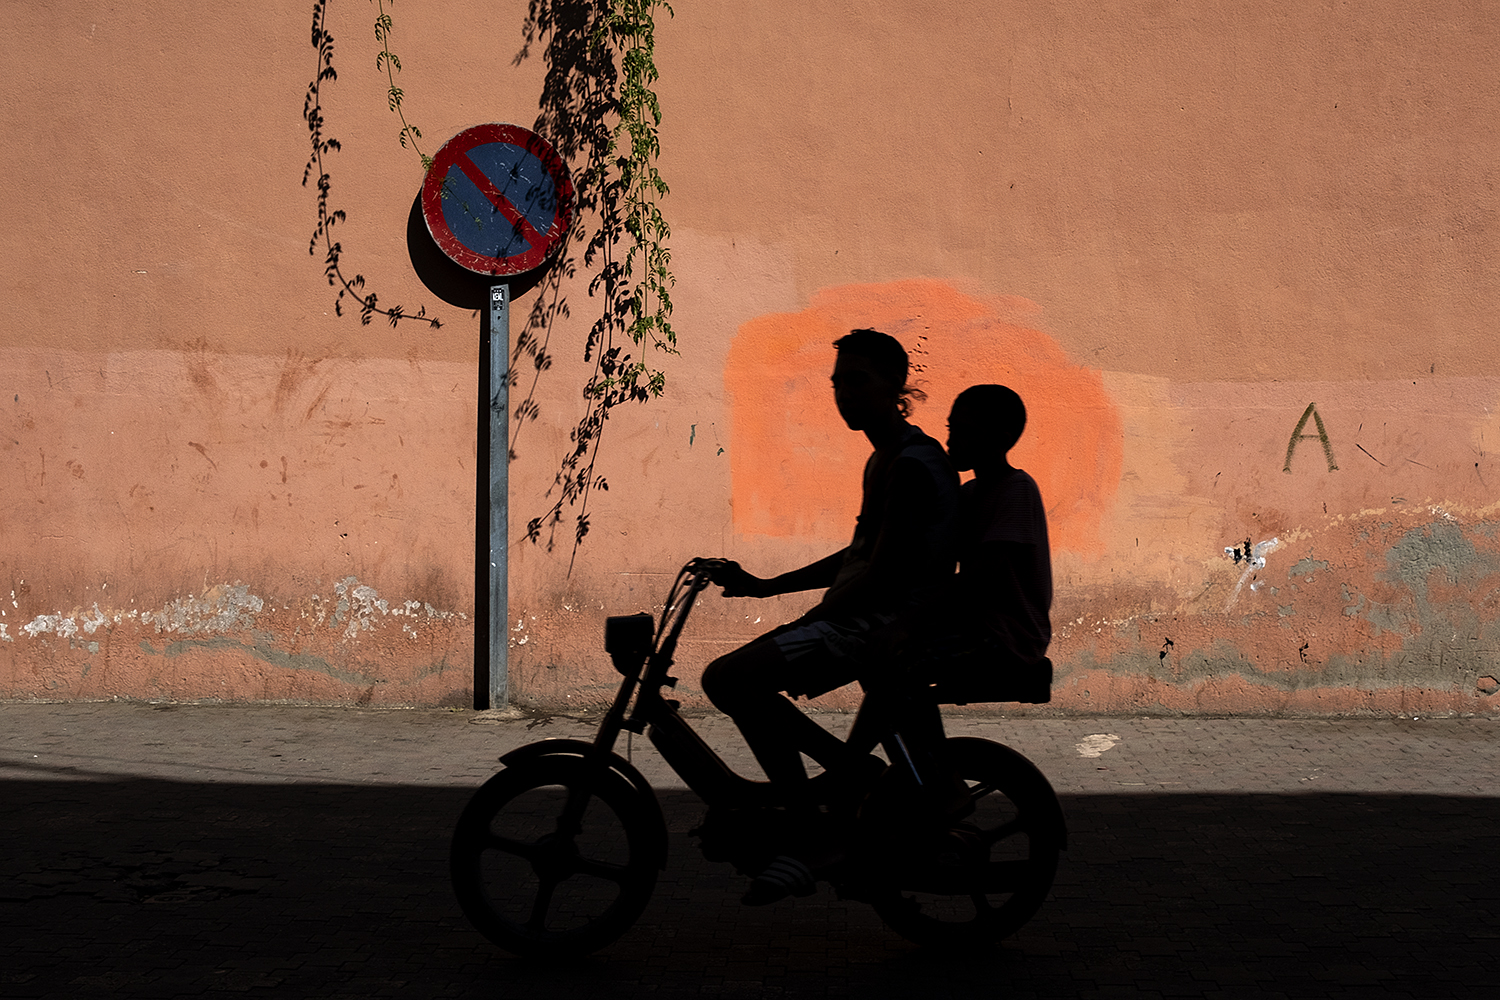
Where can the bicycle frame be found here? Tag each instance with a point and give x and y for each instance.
(639, 707)
(704, 771)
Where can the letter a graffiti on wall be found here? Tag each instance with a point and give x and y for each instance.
(1297, 435)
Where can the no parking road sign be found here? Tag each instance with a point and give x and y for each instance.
(498, 199)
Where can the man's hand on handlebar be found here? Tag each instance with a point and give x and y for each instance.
(736, 582)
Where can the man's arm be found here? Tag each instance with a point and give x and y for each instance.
(814, 576)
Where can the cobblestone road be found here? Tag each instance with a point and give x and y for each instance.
(164, 851)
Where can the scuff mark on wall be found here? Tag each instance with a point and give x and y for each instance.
(263, 650)
(1393, 614)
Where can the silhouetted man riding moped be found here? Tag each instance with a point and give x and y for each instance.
(901, 554)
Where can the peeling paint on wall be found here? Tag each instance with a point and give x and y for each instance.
(1413, 626)
(232, 608)
(324, 647)
(358, 605)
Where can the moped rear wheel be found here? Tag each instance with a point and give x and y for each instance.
(556, 857)
(977, 880)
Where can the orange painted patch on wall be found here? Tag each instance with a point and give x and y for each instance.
(795, 467)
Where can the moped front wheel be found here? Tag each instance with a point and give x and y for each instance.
(556, 857)
(971, 882)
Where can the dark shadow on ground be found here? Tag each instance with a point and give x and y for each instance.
(155, 889)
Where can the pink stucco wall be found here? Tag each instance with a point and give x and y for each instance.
(1172, 227)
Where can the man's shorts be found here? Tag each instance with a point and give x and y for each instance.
(825, 654)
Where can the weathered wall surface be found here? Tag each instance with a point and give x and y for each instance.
(1239, 259)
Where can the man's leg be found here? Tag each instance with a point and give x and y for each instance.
(746, 686)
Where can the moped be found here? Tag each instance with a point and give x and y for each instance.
(558, 853)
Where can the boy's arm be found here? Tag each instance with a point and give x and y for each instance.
(813, 576)
(1002, 591)
(992, 575)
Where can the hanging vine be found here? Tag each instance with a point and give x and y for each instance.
(391, 63)
(312, 113)
(632, 26)
(599, 107)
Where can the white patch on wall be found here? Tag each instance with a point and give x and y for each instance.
(1093, 746)
(1254, 558)
(358, 604)
(221, 609)
(230, 608)
(67, 626)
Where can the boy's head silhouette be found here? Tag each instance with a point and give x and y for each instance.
(985, 423)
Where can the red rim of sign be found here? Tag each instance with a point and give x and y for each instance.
(453, 153)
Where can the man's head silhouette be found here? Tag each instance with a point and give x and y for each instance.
(869, 379)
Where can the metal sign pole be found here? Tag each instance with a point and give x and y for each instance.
(499, 495)
(491, 569)
(518, 207)
(481, 536)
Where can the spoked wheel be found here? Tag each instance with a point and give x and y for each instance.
(980, 879)
(556, 857)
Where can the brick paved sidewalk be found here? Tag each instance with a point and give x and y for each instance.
(163, 851)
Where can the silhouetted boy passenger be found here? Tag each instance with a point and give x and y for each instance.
(985, 637)
(1003, 597)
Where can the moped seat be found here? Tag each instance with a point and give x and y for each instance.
(970, 682)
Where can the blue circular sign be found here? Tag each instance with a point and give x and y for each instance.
(498, 199)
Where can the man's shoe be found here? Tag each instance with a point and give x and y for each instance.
(786, 876)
